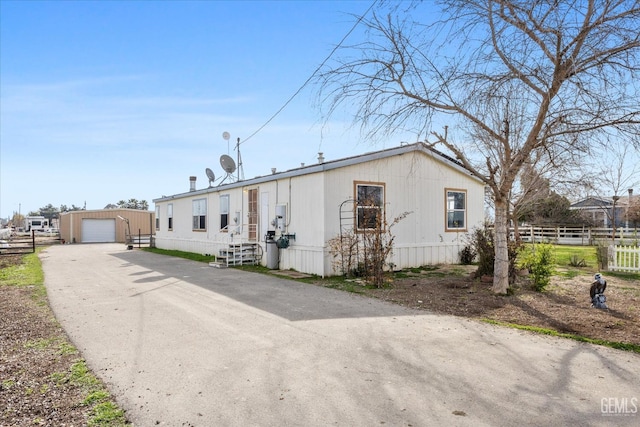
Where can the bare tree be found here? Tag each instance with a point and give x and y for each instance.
(619, 172)
(513, 79)
(612, 180)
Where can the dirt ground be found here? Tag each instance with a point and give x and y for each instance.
(565, 306)
(38, 365)
(32, 354)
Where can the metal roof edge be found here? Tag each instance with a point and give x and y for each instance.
(107, 210)
(330, 165)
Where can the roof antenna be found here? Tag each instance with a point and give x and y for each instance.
(240, 169)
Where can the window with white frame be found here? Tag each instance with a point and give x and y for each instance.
(224, 213)
(170, 216)
(456, 205)
(199, 213)
(157, 217)
(369, 204)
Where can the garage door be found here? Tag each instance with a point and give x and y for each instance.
(98, 230)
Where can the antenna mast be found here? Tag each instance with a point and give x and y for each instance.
(227, 162)
(240, 169)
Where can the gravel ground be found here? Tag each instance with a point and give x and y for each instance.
(37, 362)
(43, 379)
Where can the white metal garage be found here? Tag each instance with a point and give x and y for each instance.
(98, 230)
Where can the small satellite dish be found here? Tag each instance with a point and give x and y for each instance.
(210, 175)
(226, 136)
(227, 164)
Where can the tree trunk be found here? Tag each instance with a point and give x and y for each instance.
(501, 265)
(516, 231)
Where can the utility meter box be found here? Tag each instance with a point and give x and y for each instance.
(281, 217)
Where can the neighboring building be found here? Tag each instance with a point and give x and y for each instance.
(105, 225)
(36, 223)
(599, 211)
(312, 204)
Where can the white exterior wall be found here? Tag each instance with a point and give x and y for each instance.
(413, 180)
(305, 199)
(413, 183)
(304, 219)
(182, 237)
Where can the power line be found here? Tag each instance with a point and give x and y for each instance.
(313, 74)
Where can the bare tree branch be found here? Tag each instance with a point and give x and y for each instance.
(516, 80)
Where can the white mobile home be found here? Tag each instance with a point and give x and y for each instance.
(310, 205)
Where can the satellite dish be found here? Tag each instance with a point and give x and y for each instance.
(210, 175)
(227, 164)
(226, 136)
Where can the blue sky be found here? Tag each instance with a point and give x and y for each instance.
(102, 101)
(109, 100)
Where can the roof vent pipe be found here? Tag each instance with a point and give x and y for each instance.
(192, 183)
(273, 171)
(320, 157)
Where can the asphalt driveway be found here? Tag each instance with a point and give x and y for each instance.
(182, 344)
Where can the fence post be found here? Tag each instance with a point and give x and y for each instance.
(603, 256)
(33, 240)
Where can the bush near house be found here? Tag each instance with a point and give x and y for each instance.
(539, 260)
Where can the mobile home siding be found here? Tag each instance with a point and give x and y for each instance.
(414, 178)
(415, 184)
(304, 197)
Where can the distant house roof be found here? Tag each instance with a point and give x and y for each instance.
(335, 164)
(602, 202)
(592, 202)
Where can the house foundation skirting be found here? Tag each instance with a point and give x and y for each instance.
(318, 260)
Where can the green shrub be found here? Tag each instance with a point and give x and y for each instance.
(576, 261)
(538, 259)
(467, 255)
(481, 241)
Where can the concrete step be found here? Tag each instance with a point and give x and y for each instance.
(218, 264)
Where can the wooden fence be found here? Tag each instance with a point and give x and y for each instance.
(624, 258)
(19, 244)
(581, 236)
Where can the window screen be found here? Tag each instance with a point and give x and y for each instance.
(224, 213)
(200, 214)
(456, 209)
(370, 199)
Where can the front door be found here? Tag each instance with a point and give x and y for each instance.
(253, 215)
